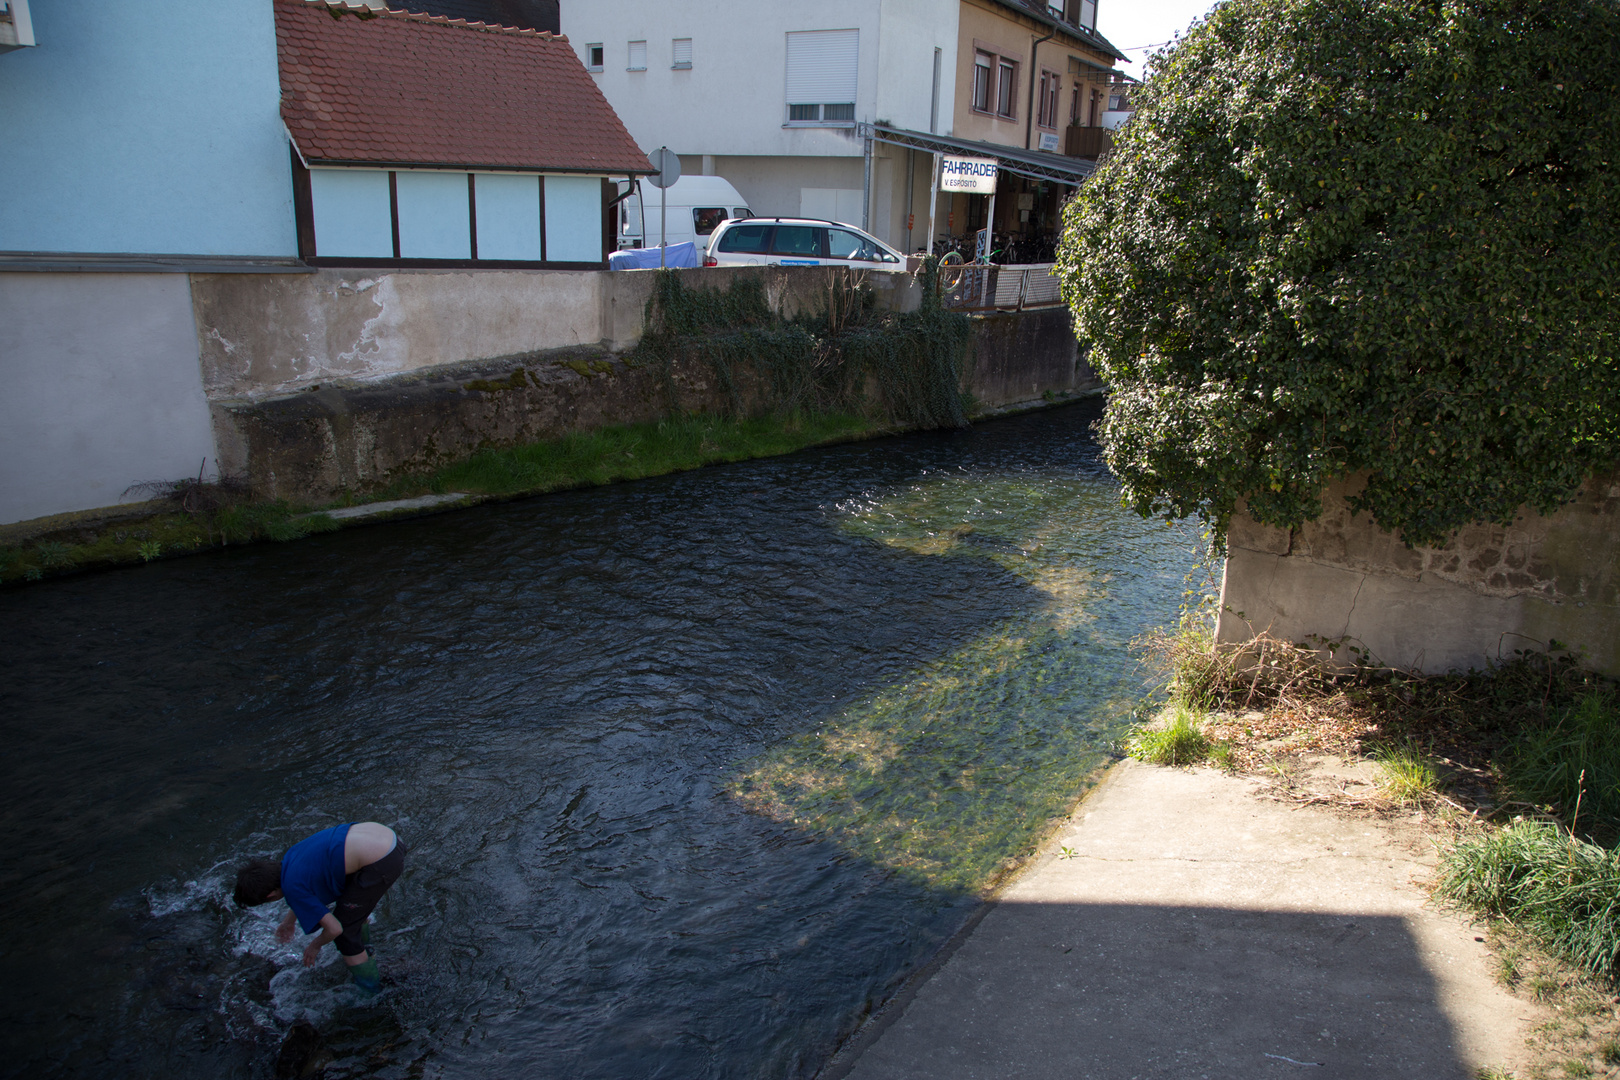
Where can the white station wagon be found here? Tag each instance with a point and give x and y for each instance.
(799, 242)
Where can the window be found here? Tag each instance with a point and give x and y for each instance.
(681, 50)
(1047, 102)
(823, 69)
(1007, 90)
(983, 66)
(1088, 14)
(1116, 102)
(747, 239)
(377, 216)
(1074, 106)
(593, 57)
(638, 56)
(801, 240)
(705, 219)
(742, 212)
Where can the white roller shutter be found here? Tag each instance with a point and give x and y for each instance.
(823, 66)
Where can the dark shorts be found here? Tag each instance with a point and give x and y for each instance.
(361, 891)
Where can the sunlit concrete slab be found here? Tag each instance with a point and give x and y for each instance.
(1182, 926)
(398, 507)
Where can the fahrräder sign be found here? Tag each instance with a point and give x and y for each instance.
(967, 175)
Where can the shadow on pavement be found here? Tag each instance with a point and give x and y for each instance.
(1099, 992)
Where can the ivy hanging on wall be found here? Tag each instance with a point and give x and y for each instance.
(846, 356)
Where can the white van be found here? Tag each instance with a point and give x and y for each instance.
(694, 208)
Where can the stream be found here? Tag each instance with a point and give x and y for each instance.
(694, 770)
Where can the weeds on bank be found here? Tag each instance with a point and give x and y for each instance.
(1535, 738)
(1179, 740)
(1407, 776)
(201, 515)
(1562, 891)
(197, 516)
(631, 452)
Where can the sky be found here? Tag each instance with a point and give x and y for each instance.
(1137, 27)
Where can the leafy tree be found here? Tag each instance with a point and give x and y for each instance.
(1361, 235)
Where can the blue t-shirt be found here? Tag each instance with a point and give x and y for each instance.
(312, 875)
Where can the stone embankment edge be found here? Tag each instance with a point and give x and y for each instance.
(355, 515)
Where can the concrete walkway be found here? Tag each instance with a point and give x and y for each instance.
(1199, 930)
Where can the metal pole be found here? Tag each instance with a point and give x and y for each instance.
(933, 205)
(866, 188)
(911, 192)
(663, 217)
(986, 299)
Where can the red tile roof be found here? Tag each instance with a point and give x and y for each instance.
(389, 88)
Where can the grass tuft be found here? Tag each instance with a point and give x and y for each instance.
(1561, 890)
(1406, 775)
(1181, 741)
(1573, 760)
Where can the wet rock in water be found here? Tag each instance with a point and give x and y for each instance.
(300, 1055)
(254, 977)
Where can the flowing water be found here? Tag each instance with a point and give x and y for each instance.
(694, 770)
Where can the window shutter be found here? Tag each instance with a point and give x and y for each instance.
(638, 56)
(823, 66)
(681, 51)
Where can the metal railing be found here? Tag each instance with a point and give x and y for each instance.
(975, 287)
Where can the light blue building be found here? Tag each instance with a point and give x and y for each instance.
(143, 144)
(140, 128)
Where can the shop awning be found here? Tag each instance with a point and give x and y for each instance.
(1035, 164)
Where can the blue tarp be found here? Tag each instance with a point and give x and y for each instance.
(685, 254)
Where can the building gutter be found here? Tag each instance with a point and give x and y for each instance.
(1034, 66)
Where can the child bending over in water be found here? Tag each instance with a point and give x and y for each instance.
(347, 865)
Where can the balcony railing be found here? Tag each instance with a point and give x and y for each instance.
(1087, 142)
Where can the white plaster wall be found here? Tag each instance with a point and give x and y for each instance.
(733, 99)
(102, 389)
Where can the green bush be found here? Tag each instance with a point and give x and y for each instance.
(1361, 236)
(1576, 757)
(1563, 891)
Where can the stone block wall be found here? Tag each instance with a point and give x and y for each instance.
(1490, 591)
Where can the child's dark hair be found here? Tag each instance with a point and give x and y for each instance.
(256, 881)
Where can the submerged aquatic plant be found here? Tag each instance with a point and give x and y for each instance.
(952, 774)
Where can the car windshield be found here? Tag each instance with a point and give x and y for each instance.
(746, 239)
(804, 240)
(842, 244)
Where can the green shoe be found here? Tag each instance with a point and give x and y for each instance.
(366, 977)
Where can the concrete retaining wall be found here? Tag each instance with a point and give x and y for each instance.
(1490, 591)
(1024, 355)
(313, 383)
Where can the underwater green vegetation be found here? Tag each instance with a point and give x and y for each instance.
(954, 774)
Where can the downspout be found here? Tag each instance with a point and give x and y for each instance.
(1034, 67)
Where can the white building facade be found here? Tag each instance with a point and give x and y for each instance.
(770, 96)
